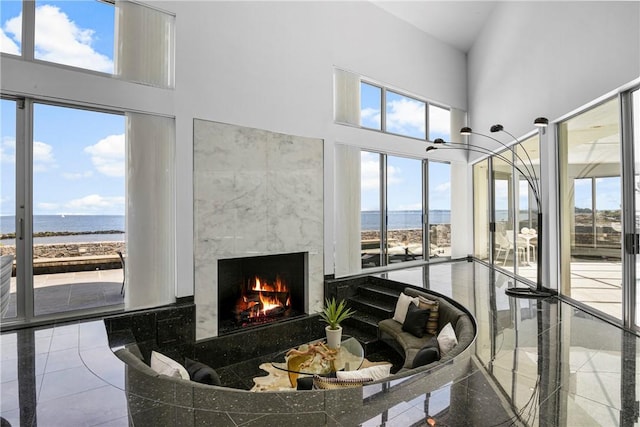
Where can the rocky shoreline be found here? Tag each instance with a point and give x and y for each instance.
(61, 233)
(69, 250)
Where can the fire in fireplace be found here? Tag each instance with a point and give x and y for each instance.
(262, 300)
(258, 290)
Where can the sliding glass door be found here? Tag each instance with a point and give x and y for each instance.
(632, 128)
(63, 202)
(591, 210)
(8, 228)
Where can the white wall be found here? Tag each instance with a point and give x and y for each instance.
(270, 65)
(549, 58)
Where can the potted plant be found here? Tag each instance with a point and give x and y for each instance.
(333, 314)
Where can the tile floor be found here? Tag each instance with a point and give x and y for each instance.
(535, 363)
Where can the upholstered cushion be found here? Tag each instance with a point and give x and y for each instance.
(201, 373)
(402, 306)
(432, 306)
(167, 366)
(427, 354)
(447, 339)
(323, 383)
(376, 372)
(415, 321)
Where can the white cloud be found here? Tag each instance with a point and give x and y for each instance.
(445, 187)
(95, 203)
(410, 207)
(394, 176)
(58, 39)
(7, 45)
(439, 122)
(73, 176)
(370, 117)
(8, 150)
(406, 117)
(45, 206)
(369, 171)
(14, 26)
(43, 159)
(107, 155)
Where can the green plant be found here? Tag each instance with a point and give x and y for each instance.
(334, 313)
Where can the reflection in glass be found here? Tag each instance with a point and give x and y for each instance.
(590, 194)
(505, 252)
(405, 116)
(370, 106)
(527, 159)
(481, 210)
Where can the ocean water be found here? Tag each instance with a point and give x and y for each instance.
(70, 223)
(408, 220)
(403, 220)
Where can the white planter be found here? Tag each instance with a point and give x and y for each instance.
(334, 337)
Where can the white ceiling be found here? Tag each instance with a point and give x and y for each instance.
(456, 23)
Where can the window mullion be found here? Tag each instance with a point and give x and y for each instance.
(383, 209)
(28, 30)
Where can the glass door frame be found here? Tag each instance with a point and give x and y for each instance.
(631, 238)
(24, 181)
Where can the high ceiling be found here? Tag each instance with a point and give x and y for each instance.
(456, 23)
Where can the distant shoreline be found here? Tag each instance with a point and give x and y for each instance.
(61, 233)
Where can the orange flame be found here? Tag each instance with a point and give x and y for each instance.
(269, 295)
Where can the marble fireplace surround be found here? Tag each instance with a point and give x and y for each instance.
(256, 193)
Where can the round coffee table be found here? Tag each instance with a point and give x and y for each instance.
(315, 358)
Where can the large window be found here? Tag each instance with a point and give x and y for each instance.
(481, 213)
(393, 208)
(125, 38)
(405, 116)
(439, 196)
(370, 106)
(591, 213)
(401, 114)
(76, 33)
(511, 207)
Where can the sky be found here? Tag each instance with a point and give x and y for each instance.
(404, 183)
(405, 116)
(78, 155)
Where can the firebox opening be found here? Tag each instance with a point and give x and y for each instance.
(259, 290)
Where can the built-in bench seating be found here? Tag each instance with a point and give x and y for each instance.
(408, 345)
(156, 399)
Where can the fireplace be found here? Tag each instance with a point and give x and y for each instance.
(254, 291)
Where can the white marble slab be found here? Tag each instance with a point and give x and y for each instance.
(256, 192)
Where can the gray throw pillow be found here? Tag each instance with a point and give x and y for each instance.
(428, 354)
(201, 373)
(425, 356)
